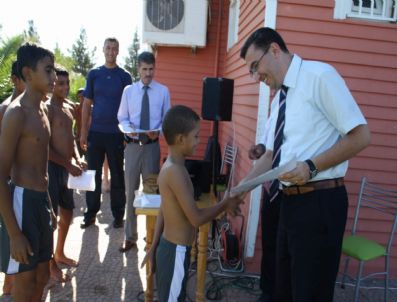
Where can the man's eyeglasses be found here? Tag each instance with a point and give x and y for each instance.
(255, 66)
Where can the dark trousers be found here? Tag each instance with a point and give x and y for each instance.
(270, 216)
(309, 242)
(111, 144)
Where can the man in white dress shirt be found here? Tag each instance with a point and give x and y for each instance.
(143, 106)
(316, 120)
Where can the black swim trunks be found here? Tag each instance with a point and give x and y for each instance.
(60, 194)
(33, 214)
(172, 264)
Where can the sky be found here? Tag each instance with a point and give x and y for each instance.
(60, 22)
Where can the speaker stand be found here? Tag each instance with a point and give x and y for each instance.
(215, 168)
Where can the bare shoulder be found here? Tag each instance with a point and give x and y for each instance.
(47, 108)
(173, 174)
(14, 115)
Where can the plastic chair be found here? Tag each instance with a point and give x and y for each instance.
(227, 168)
(384, 202)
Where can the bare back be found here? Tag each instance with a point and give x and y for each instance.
(24, 144)
(177, 227)
(61, 120)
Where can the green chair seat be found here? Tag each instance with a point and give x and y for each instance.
(221, 188)
(362, 248)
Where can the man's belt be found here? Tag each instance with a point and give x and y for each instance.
(313, 186)
(138, 141)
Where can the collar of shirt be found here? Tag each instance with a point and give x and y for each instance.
(291, 77)
(141, 85)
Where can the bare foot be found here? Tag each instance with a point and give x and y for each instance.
(57, 274)
(7, 286)
(66, 261)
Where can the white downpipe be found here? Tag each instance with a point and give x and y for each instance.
(263, 107)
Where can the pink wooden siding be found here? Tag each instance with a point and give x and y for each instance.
(183, 71)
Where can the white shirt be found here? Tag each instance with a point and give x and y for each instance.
(320, 110)
(131, 102)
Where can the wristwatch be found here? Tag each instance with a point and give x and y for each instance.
(312, 168)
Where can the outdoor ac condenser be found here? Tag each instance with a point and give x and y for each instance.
(175, 22)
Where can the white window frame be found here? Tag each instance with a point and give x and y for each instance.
(386, 10)
(234, 15)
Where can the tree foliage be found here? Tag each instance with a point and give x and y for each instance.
(131, 62)
(8, 50)
(81, 55)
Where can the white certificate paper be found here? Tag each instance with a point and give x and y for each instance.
(128, 128)
(269, 175)
(143, 200)
(84, 182)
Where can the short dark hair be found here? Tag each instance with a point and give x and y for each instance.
(14, 70)
(80, 90)
(146, 57)
(262, 38)
(29, 54)
(61, 71)
(111, 40)
(178, 120)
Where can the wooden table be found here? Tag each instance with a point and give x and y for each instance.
(206, 200)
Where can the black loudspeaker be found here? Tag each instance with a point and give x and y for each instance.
(217, 99)
(199, 171)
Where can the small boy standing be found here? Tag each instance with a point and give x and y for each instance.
(63, 159)
(179, 215)
(27, 219)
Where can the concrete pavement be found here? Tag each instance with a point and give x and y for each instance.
(104, 274)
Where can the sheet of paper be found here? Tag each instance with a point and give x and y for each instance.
(269, 175)
(128, 128)
(84, 182)
(143, 200)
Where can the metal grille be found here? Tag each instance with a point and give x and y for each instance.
(165, 14)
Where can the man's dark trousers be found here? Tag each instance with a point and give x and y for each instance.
(270, 216)
(111, 144)
(309, 242)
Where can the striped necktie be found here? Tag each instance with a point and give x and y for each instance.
(278, 140)
(145, 115)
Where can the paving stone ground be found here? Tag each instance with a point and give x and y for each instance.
(104, 274)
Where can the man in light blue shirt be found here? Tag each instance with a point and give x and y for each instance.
(143, 106)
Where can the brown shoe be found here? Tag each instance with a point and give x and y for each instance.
(127, 246)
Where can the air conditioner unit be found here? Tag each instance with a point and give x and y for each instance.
(175, 22)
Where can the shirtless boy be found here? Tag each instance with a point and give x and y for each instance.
(26, 240)
(63, 159)
(179, 216)
(19, 87)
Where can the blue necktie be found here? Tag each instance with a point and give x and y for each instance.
(145, 115)
(278, 141)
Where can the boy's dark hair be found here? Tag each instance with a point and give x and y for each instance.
(262, 38)
(178, 120)
(146, 57)
(29, 54)
(61, 71)
(80, 90)
(14, 70)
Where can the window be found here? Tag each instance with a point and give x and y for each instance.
(381, 10)
(234, 12)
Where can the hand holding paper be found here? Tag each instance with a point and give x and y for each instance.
(84, 182)
(269, 175)
(130, 128)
